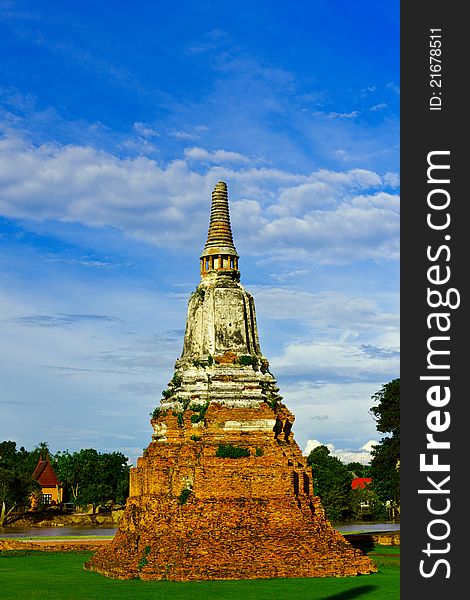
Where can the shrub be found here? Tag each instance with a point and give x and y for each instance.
(184, 495)
(143, 561)
(200, 412)
(272, 400)
(179, 417)
(230, 451)
(176, 380)
(156, 412)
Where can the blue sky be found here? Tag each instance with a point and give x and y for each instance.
(116, 121)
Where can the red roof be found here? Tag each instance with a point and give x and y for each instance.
(44, 473)
(360, 482)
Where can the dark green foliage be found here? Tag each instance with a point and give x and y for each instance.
(272, 400)
(143, 561)
(259, 452)
(176, 380)
(88, 476)
(156, 412)
(230, 451)
(246, 359)
(200, 412)
(184, 495)
(357, 469)
(331, 482)
(387, 413)
(210, 360)
(385, 471)
(384, 468)
(16, 483)
(91, 477)
(196, 438)
(366, 505)
(167, 394)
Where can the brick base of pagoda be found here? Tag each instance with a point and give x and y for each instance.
(193, 515)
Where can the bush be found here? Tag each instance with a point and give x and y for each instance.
(156, 412)
(200, 412)
(176, 380)
(246, 359)
(183, 497)
(230, 451)
(179, 417)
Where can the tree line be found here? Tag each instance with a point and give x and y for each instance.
(332, 478)
(87, 476)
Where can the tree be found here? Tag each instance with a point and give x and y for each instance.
(16, 483)
(357, 469)
(332, 483)
(92, 477)
(387, 413)
(385, 464)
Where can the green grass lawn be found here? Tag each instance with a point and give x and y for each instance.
(60, 576)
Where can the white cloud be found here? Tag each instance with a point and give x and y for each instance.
(378, 107)
(361, 455)
(334, 361)
(145, 130)
(336, 217)
(334, 313)
(394, 87)
(368, 90)
(336, 115)
(216, 156)
(392, 179)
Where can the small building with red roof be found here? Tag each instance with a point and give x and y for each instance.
(360, 482)
(51, 488)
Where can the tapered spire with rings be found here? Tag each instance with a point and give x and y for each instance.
(219, 254)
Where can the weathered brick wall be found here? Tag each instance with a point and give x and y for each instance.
(244, 518)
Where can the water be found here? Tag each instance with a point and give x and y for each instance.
(18, 532)
(366, 526)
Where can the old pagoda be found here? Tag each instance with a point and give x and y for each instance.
(223, 490)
